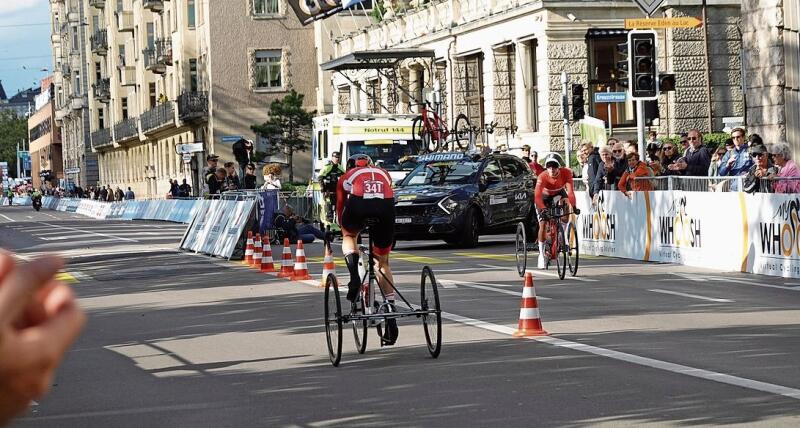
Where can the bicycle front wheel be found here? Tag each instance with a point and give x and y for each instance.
(521, 249)
(432, 322)
(572, 248)
(462, 131)
(360, 328)
(561, 254)
(333, 319)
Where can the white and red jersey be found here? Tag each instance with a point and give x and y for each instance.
(368, 182)
(547, 186)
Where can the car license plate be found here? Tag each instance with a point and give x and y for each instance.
(402, 220)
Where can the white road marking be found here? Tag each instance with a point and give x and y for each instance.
(635, 359)
(691, 296)
(545, 273)
(445, 270)
(746, 282)
(691, 277)
(484, 286)
(90, 233)
(7, 217)
(29, 216)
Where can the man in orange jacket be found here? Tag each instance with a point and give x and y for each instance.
(635, 169)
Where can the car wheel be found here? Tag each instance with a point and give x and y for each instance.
(532, 225)
(471, 231)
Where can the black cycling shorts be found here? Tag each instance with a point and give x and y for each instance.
(357, 210)
(548, 200)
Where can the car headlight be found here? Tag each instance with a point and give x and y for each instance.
(449, 205)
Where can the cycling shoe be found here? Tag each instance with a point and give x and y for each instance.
(352, 290)
(391, 332)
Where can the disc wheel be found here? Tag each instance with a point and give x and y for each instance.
(333, 319)
(561, 254)
(461, 131)
(432, 323)
(360, 327)
(572, 249)
(521, 249)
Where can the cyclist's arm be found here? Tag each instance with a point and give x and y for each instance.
(538, 198)
(570, 190)
(340, 195)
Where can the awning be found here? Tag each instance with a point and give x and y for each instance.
(375, 60)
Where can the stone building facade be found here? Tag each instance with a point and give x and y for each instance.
(47, 166)
(503, 60)
(771, 43)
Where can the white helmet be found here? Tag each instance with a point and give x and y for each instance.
(553, 158)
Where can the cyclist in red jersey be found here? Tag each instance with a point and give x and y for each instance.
(552, 186)
(365, 191)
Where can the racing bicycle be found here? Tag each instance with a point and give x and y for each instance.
(432, 129)
(366, 311)
(561, 242)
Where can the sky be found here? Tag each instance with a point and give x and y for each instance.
(24, 42)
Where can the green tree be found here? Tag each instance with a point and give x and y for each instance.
(13, 130)
(287, 128)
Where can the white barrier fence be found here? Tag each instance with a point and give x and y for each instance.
(174, 210)
(17, 200)
(755, 233)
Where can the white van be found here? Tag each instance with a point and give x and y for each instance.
(386, 138)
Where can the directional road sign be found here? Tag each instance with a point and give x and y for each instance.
(610, 97)
(648, 6)
(654, 23)
(189, 148)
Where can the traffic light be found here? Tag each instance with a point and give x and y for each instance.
(622, 65)
(642, 67)
(666, 83)
(577, 102)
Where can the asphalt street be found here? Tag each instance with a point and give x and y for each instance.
(177, 339)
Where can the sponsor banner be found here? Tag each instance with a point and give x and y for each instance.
(616, 226)
(773, 231)
(234, 228)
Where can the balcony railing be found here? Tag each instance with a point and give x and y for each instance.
(157, 117)
(193, 106)
(125, 130)
(99, 42)
(99, 4)
(154, 5)
(77, 102)
(102, 138)
(157, 58)
(66, 71)
(102, 90)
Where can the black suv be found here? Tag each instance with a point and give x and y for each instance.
(457, 197)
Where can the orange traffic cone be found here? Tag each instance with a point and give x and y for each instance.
(529, 322)
(286, 262)
(328, 267)
(300, 266)
(256, 264)
(266, 257)
(248, 251)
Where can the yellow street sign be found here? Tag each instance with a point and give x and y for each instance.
(681, 22)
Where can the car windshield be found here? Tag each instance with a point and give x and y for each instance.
(441, 173)
(396, 156)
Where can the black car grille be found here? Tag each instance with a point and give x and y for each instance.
(425, 210)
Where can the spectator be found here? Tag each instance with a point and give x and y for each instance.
(526, 153)
(609, 175)
(185, 190)
(654, 153)
(297, 227)
(110, 194)
(651, 138)
(629, 146)
(782, 155)
(536, 167)
(636, 169)
(103, 194)
(729, 145)
(250, 176)
(232, 180)
(755, 140)
(118, 195)
(684, 141)
(737, 161)
(599, 182)
(592, 165)
(272, 174)
(211, 165)
(174, 191)
(716, 158)
(668, 158)
(696, 159)
(129, 196)
(216, 181)
(761, 169)
(243, 152)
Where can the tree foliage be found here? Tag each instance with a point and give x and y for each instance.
(13, 130)
(287, 128)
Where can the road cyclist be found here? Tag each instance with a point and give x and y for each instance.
(554, 188)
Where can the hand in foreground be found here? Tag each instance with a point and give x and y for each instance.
(39, 319)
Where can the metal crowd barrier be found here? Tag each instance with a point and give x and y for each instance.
(722, 184)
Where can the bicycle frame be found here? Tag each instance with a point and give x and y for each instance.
(551, 229)
(433, 123)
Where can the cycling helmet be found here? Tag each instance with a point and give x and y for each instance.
(553, 158)
(358, 160)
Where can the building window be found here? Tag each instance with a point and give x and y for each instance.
(152, 92)
(190, 12)
(121, 55)
(505, 85)
(77, 83)
(265, 7)
(473, 88)
(374, 96)
(193, 74)
(101, 118)
(267, 70)
(119, 5)
(533, 87)
(124, 108)
(151, 35)
(97, 74)
(603, 75)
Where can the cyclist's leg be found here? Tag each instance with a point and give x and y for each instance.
(382, 238)
(350, 229)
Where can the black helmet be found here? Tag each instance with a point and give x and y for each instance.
(358, 160)
(553, 158)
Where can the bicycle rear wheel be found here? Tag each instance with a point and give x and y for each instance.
(561, 254)
(521, 250)
(572, 248)
(360, 327)
(462, 131)
(432, 323)
(333, 319)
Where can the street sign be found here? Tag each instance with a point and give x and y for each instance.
(656, 23)
(189, 148)
(610, 97)
(187, 158)
(72, 170)
(648, 6)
